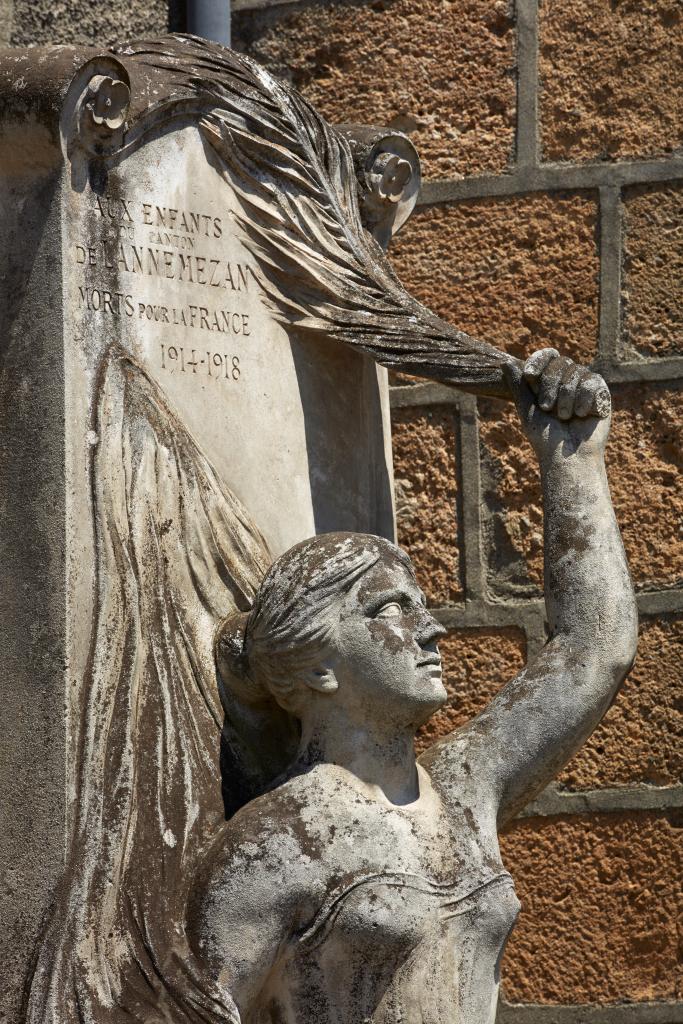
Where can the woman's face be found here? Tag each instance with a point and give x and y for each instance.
(383, 650)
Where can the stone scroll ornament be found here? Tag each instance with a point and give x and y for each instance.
(178, 556)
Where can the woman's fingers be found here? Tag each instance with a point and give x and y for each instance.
(562, 387)
(567, 391)
(550, 381)
(584, 399)
(536, 364)
(593, 397)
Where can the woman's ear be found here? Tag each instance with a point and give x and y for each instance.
(321, 679)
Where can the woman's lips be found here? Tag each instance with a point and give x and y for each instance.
(430, 659)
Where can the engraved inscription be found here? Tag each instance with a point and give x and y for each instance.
(143, 245)
(174, 266)
(180, 220)
(221, 321)
(216, 365)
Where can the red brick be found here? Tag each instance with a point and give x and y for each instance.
(640, 740)
(512, 517)
(610, 78)
(520, 272)
(644, 458)
(425, 443)
(644, 462)
(652, 292)
(600, 899)
(440, 71)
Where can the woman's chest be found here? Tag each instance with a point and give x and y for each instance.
(446, 846)
(396, 947)
(392, 879)
(388, 915)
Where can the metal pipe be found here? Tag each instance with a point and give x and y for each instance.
(209, 19)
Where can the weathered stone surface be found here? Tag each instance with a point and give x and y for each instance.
(644, 463)
(136, 345)
(598, 923)
(644, 456)
(520, 272)
(80, 22)
(6, 9)
(640, 737)
(512, 517)
(476, 663)
(610, 78)
(442, 72)
(652, 291)
(425, 480)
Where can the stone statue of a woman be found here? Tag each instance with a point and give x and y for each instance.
(364, 886)
(349, 883)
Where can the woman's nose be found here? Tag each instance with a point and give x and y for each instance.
(430, 630)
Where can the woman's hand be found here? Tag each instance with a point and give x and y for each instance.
(564, 388)
(560, 404)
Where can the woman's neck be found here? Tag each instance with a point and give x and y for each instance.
(380, 758)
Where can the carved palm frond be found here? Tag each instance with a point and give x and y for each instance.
(300, 217)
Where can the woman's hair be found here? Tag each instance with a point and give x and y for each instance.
(281, 637)
(262, 655)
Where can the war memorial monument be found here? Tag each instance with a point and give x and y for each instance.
(214, 657)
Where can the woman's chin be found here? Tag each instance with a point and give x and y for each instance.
(432, 696)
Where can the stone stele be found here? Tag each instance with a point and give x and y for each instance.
(113, 248)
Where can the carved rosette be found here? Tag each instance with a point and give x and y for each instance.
(97, 106)
(107, 103)
(388, 170)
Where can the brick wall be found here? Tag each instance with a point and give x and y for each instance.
(86, 22)
(552, 213)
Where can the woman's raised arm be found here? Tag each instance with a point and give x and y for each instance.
(535, 723)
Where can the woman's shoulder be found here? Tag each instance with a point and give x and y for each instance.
(276, 837)
(259, 863)
(448, 759)
(460, 775)
(292, 802)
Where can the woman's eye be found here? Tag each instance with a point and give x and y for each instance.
(389, 611)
